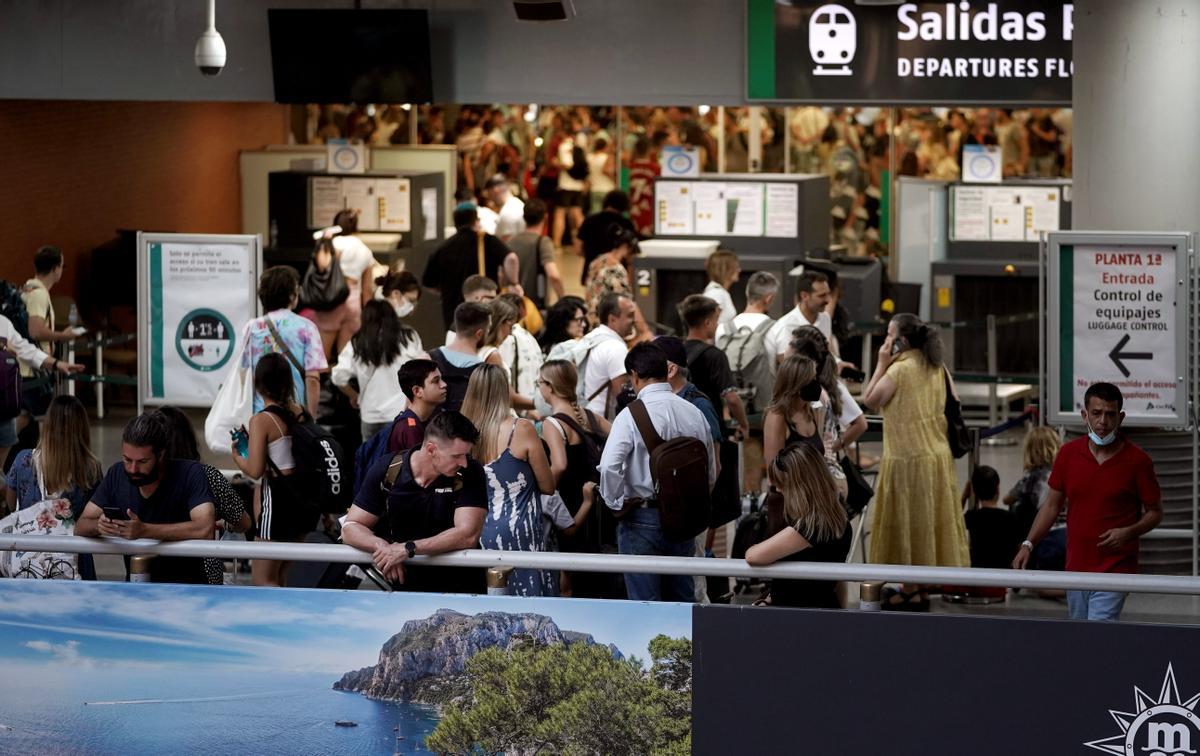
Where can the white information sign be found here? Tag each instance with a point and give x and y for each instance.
(674, 207)
(359, 194)
(1004, 213)
(783, 210)
(1120, 312)
(194, 295)
(325, 200)
(711, 215)
(746, 208)
(429, 212)
(395, 206)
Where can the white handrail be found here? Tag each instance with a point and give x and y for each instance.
(299, 552)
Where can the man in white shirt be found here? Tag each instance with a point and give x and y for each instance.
(509, 211)
(625, 474)
(604, 367)
(760, 295)
(812, 295)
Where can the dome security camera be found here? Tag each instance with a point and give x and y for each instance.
(210, 48)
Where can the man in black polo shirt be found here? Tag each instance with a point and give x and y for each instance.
(431, 499)
(146, 495)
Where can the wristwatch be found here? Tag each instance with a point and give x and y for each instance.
(1026, 543)
(411, 549)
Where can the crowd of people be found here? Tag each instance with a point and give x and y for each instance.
(571, 157)
(547, 421)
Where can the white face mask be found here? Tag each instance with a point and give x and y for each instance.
(405, 308)
(541, 405)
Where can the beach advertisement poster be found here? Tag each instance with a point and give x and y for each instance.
(115, 668)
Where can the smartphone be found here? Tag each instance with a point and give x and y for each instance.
(78, 330)
(115, 513)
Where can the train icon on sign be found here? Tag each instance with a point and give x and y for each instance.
(832, 40)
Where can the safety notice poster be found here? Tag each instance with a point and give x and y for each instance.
(1003, 213)
(197, 293)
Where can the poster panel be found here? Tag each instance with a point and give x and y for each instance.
(143, 668)
(195, 294)
(817, 682)
(1118, 313)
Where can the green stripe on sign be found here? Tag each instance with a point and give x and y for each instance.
(760, 49)
(1066, 328)
(156, 321)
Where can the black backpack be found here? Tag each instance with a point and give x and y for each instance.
(579, 164)
(323, 476)
(456, 379)
(12, 306)
(593, 439)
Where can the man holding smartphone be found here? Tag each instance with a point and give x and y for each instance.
(147, 495)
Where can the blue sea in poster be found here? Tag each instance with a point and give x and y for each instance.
(115, 668)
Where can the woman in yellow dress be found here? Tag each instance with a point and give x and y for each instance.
(918, 515)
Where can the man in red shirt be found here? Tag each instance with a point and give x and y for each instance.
(1113, 499)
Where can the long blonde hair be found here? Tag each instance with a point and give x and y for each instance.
(1041, 447)
(65, 447)
(562, 378)
(503, 312)
(810, 498)
(795, 372)
(488, 404)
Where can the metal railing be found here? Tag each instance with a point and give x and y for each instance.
(1088, 581)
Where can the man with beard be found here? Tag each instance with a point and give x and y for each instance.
(146, 495)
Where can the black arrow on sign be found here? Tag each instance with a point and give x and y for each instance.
(1116, 355)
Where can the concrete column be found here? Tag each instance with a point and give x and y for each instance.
(1136, 113)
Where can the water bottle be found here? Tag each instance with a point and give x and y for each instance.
(73, 316)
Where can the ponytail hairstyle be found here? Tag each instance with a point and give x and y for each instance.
(920, 336)
(562, 377)
(808, 341)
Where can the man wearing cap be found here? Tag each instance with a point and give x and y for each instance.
(504, 215)
(458, 258)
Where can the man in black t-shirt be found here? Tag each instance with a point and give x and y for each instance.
(429, 500)
(458, 258)
(148, 496)
(708, 367)
(591, 240)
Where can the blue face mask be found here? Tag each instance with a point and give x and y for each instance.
(1095, 439)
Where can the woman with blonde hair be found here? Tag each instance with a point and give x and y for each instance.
(505, 317)
(817, 529)
(723, 271)
(1026, 497)
(62, 466)
(517, 470)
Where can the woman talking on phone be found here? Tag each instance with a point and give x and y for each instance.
(918, 516)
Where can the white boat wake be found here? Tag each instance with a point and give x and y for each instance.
(206, 699)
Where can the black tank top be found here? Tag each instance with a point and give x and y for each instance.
(794, 437)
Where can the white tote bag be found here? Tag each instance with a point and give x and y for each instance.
(48, 517)
(233, 406)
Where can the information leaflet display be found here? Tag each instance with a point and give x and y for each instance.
(1118, 313)
(1003, 213)
(194, 295)
(383, 204)
(727, 208)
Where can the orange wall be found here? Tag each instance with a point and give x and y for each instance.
(71, 173)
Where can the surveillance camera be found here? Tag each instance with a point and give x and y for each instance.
(210, 52)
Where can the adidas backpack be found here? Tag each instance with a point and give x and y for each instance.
(323, 476)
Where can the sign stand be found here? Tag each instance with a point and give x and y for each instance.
(195, 293)
(1122, 308)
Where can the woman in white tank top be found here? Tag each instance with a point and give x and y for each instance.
(280, 511)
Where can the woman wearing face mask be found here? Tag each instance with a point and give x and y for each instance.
(373, 358)
(918, 516)
(400, 289)
(797, 416)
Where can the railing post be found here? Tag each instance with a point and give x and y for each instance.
(139, 568)
(869, 596)
(497, 580)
